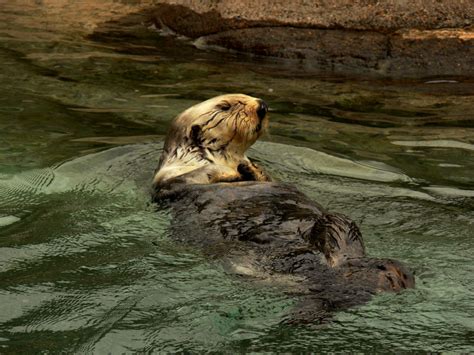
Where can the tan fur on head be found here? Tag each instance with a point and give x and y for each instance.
(207, 142)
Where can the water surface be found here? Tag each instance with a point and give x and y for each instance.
(86, 264)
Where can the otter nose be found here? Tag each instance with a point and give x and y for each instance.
(262, 109)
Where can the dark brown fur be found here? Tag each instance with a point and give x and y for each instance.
(227, 206)
(281, 237)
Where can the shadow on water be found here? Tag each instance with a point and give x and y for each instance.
(86, 262)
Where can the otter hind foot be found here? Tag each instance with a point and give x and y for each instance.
(382, 274)
(337, 237)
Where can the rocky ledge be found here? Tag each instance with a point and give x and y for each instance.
(387, 37)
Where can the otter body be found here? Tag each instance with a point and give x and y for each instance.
(227, 206)
(272, 233)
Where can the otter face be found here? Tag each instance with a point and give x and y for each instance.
(229, 122)
(207, 142)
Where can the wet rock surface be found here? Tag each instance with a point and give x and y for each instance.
(397, 38)
(359, 14)
(389, 38)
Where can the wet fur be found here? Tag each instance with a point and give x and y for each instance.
(207, 143)
(270, 232)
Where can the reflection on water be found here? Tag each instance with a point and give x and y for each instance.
(85, 262)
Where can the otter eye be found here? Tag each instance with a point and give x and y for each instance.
(224, 106)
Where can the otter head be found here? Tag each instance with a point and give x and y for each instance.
(231, 123)
(216, 132)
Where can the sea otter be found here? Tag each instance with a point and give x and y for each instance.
(228, 206)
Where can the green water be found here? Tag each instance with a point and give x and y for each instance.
(85, 261)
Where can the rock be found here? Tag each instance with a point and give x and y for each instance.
(364, 15)
(391, 37)
(416, 38)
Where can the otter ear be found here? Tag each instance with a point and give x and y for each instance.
(196, 134)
